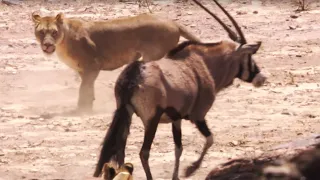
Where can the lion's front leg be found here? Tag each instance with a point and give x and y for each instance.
(86, 91)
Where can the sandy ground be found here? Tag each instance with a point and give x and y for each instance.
(245, 121)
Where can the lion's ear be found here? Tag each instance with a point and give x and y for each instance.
(59, 18)
(35, 18)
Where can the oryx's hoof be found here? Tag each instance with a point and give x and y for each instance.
(191, 169)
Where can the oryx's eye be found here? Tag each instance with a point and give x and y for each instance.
(54, 33)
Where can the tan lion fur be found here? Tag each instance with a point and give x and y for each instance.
(111, 172)
(90, 46)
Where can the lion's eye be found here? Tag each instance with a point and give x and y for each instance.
(41, 33)
(54, 33)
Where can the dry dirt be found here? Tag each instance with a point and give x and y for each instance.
(245, 121)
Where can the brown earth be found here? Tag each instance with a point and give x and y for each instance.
(245, 121)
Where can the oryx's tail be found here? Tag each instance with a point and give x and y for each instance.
(116, 137)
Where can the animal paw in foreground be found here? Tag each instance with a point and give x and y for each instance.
(110, 172)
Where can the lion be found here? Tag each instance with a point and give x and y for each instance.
(124, 172)
(90, 46)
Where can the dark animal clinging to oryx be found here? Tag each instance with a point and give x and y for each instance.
(182, 86)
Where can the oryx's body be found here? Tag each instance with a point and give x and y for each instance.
(182, 86)
(187, 82)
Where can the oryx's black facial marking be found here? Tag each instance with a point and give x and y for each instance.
(240, 71)
(252, 69)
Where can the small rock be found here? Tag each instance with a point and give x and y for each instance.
(241, 12)
(72, 155)
(93, 155)
(50, 126)
(255, 12)
(293, 16)
(298, 55)
(311, 116)
(66, 124)
(10, 2)
(233, 143)
(292, 28)
(204, 165)
(24, 145)
(55, 123)
(258, 152)
(285, 112)
(63, 164)
(46, 116)
(34, 117)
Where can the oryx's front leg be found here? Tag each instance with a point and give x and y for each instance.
(203, 128)
(86, 91)
(176, 131)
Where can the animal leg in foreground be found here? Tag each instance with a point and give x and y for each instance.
(86, 91)
(150, 131)
(203, 128)
(176, 131)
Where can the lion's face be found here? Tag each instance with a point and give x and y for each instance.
(48, 31)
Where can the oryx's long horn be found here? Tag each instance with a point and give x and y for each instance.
(242, 38)
(231, 33)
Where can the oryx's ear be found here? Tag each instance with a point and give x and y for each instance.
(59, 18)
(35, 17)
(249, 48)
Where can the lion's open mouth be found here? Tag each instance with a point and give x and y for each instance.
(48, 49)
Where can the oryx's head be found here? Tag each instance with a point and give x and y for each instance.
(248, 69)
(48, 31)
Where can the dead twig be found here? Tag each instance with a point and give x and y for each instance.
(302, 5)
(147, 3)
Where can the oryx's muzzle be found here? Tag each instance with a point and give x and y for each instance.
(259, 80)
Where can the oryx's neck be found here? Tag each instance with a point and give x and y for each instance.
(222, 69)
